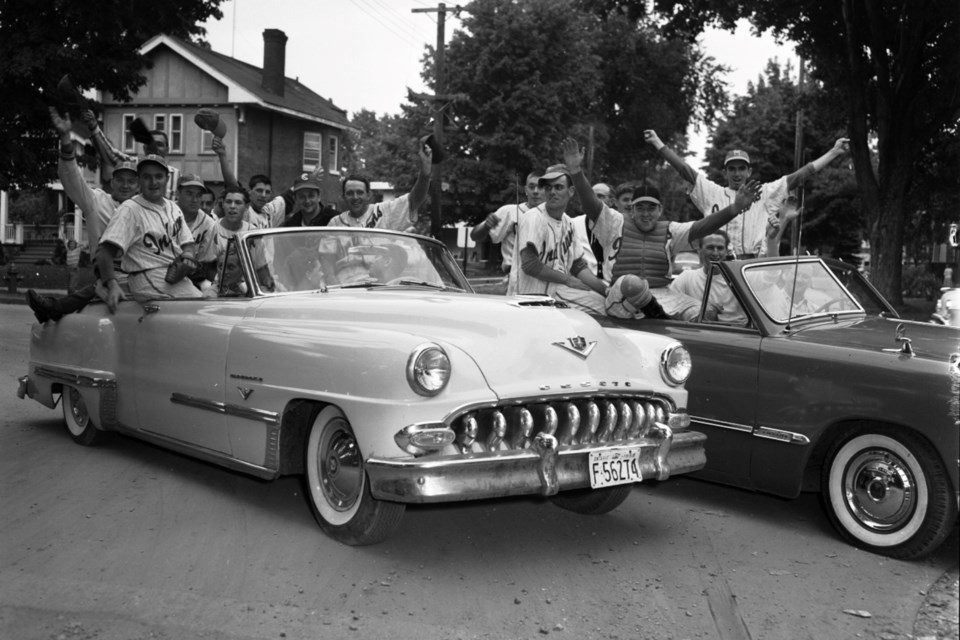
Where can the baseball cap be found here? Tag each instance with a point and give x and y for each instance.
(190, 180)
(306, 181)
(553, 172)
(155, 159)
(646, 193)
(736, 154)
(125, 165)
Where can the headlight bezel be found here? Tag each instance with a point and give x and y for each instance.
(675, 364)
(422, 366)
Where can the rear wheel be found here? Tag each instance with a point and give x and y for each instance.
(338, 488)
(887, 491)
(592, 502)
(79, 423)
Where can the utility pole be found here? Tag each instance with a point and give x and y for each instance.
(438, 97)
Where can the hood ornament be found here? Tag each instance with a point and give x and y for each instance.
(577, 345)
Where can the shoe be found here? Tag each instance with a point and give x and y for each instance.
(654, 311)
(43, 308)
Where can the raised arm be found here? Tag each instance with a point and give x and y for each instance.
(71, 177)
(418, 195)
(106, 149)
(482, 231)
(777, 224)
(573, 158)
(840, 147)
(747, 194)
(679, 164)
(229, 177)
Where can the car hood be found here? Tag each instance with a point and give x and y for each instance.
(516, 342)
(931, 341)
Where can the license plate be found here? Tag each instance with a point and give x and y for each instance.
(614, 466)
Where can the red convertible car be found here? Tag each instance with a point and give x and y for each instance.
(806, 380)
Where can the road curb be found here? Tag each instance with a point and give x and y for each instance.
(937, 618)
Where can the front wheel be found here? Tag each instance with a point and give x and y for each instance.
(592, 502)
(79, 423)
(337, 485)
(887, 491)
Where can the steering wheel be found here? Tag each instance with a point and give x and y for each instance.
(826, 305)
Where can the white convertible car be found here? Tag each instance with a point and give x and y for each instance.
(362, 360)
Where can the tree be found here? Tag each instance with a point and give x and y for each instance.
(98, 47)
(894, 65)
(529, 73)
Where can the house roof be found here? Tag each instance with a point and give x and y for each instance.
(244, 84)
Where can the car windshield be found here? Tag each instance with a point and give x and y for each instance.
(790, 290)
(319, 259)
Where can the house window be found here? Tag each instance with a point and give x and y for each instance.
(176, 133)
(160, 122)
(206, 141)
(311, 150)
(333, 148)
(127, 137)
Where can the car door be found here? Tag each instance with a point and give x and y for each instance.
(179, 358)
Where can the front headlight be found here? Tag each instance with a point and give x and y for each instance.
(428, 369)
(675, 364)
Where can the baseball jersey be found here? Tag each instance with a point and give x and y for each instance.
(505, 232)
(584, 239)
(747, 231)
(203, 228)
(393, 214)
(149, 234)
(553, 240)
(221, 236)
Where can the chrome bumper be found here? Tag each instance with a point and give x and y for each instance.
(542, 469)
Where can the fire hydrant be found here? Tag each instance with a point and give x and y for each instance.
(12, 277)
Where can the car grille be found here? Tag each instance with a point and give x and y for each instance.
(572, 422)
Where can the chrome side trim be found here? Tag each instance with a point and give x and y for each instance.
(720, 424)
(781, 435)
(269, 417)
(74, 378)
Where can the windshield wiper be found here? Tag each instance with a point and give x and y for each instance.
(365, 284)
(420, 283)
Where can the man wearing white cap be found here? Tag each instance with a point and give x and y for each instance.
(150, 234)
(748, 233)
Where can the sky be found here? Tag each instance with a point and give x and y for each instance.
(363, 54)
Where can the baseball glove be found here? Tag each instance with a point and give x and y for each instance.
(180, 268)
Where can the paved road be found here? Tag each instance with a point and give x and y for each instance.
(129, 542)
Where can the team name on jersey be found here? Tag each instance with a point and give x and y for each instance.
(160, 244)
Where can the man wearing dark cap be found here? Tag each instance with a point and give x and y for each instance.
(149, 233)
(747, 234)
(190, 191)
(551, 261)
(306, 193)
(398, 214)
(644, 244)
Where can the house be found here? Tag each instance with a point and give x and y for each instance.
(275, 125)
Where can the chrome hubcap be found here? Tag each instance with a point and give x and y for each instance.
(78, 408)
(341, 470)
(880, 490)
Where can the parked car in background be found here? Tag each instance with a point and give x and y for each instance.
(813, 384)
(948, 307)
(362, 360)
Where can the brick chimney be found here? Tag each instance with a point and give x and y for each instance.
(274, 60)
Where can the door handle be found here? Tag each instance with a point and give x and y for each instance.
(148, 309)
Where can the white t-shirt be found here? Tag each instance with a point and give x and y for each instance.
(150, 235)
(505, 232)
(747, 231)
(553, 240)
(723, 304)
(392, 214)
